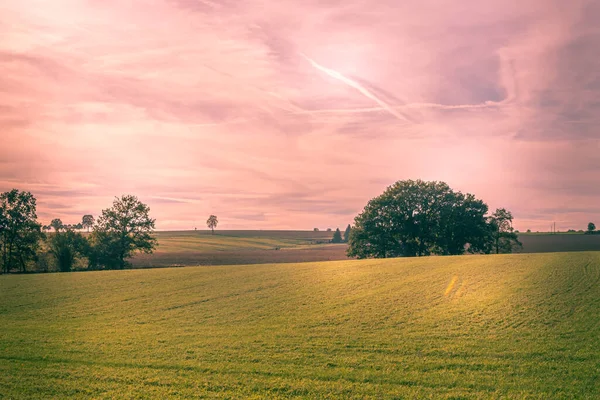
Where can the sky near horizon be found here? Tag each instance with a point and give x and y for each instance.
(293, 114)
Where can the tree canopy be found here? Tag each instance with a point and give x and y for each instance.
(591, 227)
(347, 233)
(212, 222)
(87, 221)
(57, 224)
(504, 239)
(337, 236)
(65, 247)
(418, 218)
(122, 230)
(20, 232)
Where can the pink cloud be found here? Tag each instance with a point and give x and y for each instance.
(204, 106)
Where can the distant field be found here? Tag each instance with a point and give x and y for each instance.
(561, 242)
(509, 326)
(241, 247)
(259, 247)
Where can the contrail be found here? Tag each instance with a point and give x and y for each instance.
(414, 106)
(357, 86)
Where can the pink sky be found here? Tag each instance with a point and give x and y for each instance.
(293, 114)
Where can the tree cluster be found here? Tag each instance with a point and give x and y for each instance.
(418, 218)
(119, 232)
(338, 237)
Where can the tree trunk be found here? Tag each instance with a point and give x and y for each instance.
(4, 256)
(498, 244)
(23, 267)
(9, 258)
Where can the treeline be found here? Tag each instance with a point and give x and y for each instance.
(116, 235)
(339, 238)
(417, 218)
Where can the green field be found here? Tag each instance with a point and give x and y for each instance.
(182, 241)
(512, 326)
(177, 248)
(201, 248)
(259, 247)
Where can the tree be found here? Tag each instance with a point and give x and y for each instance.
(57, 224)
(65, 247)
(87, 221)
(591, 227)
(504, 239)
(20, 232)
(417, 218)
(122, 230)
(78, 226)
(337, 236)
(212, 223)
(347, 233)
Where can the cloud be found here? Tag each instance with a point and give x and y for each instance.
(203, 106)
(336, 75)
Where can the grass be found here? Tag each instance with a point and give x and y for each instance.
(512, 326)
(240, 247)
(184, 241)
(193, 248)
(259, 247)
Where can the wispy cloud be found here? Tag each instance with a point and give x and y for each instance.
(292, 114)
(336, 75)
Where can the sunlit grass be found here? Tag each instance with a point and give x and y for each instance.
(441, 327)
(201, 241)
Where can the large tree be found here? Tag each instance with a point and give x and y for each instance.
(20, 232)
(122, 230)
(418, 218)
(212, 223)
(87, 221)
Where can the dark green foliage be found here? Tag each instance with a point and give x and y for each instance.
(212, 222)
(65, 246)
(504, 239)
(20, 232)
(591, 228)
(347, 233)
(87, 221)
(120, 231)
(57, 224)
(337, 236)
(417, 218)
